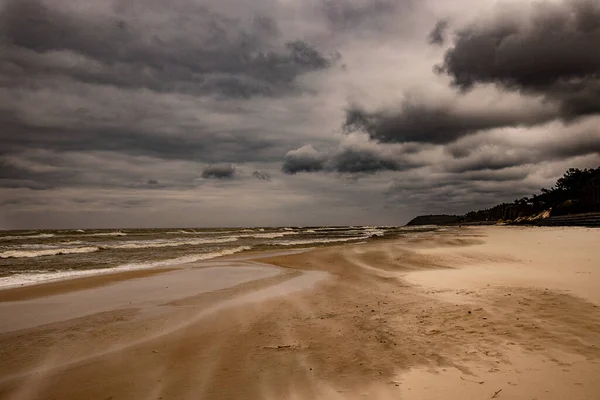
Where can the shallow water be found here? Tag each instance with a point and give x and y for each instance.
(140, 293)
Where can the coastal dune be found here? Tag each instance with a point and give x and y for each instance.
(469, 313)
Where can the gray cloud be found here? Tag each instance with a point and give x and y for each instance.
(554, 52)
(425, 191)
(219, 171)
(356, 155)
(432, 123)
(208, 53)
(112, 110)
(304, 159)
(354, 160)
(354, 15)
(261, 176)
(50, 170)
(438, 35)
(169, 82)
(500, 149)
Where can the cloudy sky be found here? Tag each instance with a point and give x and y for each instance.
(148, 113)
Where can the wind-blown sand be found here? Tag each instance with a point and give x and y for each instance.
(464, 313)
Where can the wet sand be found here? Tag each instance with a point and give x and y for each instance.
(467, 313)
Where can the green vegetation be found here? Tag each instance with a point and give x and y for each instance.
(578, 191)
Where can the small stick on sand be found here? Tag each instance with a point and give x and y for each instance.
(496, 394)
(468, 380)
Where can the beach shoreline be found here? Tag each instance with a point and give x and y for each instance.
(421, 317)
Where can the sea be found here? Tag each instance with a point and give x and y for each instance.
(34, 256)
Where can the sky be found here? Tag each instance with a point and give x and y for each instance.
(197, 113)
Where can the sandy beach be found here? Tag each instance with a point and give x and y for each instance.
(461, 313)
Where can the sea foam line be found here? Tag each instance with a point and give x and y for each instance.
(23, 237)
(160, 243)
(312, 241)
(47, 252)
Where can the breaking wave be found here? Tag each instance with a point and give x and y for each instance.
(313, 241)
(167, 243)
(117, 233)
(269, 235)
(21, 237)
(47, 252)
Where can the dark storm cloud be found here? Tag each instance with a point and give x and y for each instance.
(555, 53)
(438, 35)
(489, 162)
(261, 176)
(104, 103)
(134, 83)
(507, 174)
(219, 171)
(366, 161)
(304, 159)
(430, 123)
(349, 158)
(172, 82)
(193, 50)
(195, 143)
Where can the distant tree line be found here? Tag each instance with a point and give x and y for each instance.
(576, 192)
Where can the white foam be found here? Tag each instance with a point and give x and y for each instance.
(374, 232)
(117, 233)
(167, 243)
(33, 277)
(269, 235)
(38, 250)
(312, 241)
(47, 252)
(21, 237)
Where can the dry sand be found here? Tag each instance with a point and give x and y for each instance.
(465, 313)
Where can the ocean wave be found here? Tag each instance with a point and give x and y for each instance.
(21, 237)
(46, 252)
(42, 246)
(33, 277)
(193, 232)
(148, 244)
(313, 241)
(374, 232)
(268, 235)
(117, 233)
(38, 250)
